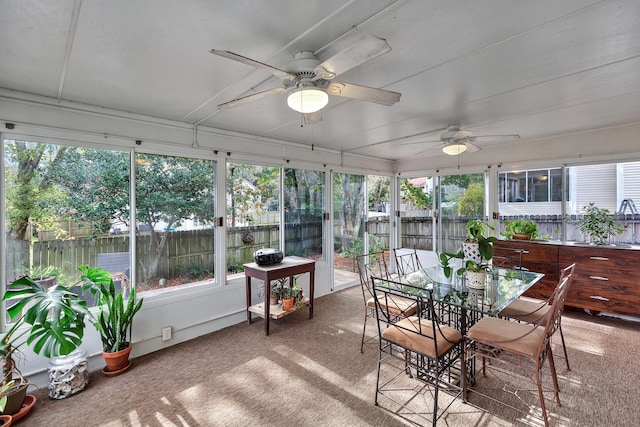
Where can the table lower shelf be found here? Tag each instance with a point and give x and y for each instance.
(276, 311)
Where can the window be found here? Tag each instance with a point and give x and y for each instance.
(253, 216)
(65, 206)
(303, 212)
(170, 193)
(543, 185)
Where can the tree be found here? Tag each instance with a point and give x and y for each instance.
(29, 186)
(379, 190)
(471, 203)
(349, 204)
(415, 195)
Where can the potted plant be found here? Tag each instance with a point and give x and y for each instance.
(478, 245)
(51, 320)
(476, 273)
(520, 229)
(290, 295)
(114, 321)
(599, 224)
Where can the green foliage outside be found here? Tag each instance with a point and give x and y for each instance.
(415, 195)
(356, 246)
(471, 203)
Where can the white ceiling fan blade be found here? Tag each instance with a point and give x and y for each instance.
(256, 64)
(364, 93)
(363, 50)
(252, 97)
(471, 148)
(488, 138)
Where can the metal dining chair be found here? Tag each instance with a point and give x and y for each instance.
(535, 311)
(522, 346)
(407, 260)
(420, 355)
(375, 265)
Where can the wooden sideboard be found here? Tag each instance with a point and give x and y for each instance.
(607, 278)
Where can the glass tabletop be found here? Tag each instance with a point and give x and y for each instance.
(503, 285)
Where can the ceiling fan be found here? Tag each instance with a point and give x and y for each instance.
(455, 141)
(309, 82)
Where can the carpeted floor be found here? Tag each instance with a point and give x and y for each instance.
(311, 373)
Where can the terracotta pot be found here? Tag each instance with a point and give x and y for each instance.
(117, 362)
(287, 304)
(520, 237)
(5, 420)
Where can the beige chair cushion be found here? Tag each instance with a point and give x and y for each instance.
(508, 335)
(527, 310)
(421, 343)
(397, 306)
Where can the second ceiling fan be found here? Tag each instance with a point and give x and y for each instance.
(309, 82)
(455, 141)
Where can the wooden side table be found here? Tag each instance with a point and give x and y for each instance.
(289, 267)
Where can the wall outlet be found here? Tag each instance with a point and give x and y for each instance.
(166, 333)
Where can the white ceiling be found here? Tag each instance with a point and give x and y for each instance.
(536, 69)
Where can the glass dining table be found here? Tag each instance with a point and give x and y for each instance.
(455, 304)
(463, 306)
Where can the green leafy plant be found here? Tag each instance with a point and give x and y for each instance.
(520, 226)
(599, 224)
(473, 266)
(114, 321)
(445, 260)
(477, 232)
(51, 320)
(292, 291)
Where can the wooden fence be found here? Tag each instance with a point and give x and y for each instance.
(194, 249)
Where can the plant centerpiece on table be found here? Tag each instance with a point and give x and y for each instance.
(114, 321)
(520, 229)
(477, 250)
(478, 245)
(599, 224)
(52, 321)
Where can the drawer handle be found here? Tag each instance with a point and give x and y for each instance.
(598, 278)
(599, 298)
(599, 258)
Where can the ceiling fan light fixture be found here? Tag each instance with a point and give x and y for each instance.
(454, 148)
(308, 100)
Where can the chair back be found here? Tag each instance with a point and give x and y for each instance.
(406, 262)
(557, 303)
(370, 265)
(390, 294)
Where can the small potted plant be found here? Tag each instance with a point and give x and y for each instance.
(520, 229)
(476, 273)
(478, 245)
(291, 295)
(114, 321)
(599, 224)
